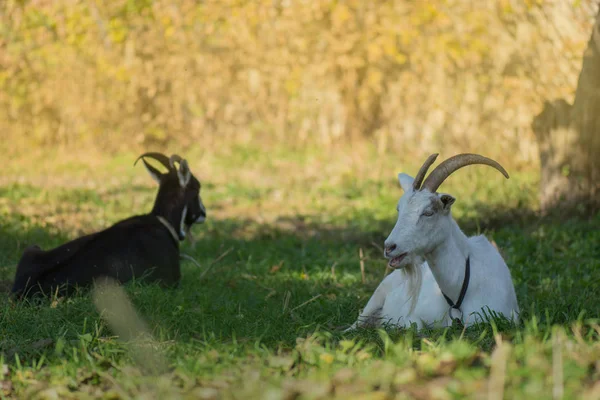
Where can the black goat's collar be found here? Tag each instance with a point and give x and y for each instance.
(169, 228)
(463, 290)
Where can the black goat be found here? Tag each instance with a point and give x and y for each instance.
(143, 246)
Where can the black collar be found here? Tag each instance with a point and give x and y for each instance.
(464, 288)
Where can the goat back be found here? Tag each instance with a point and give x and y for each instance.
(139, 247)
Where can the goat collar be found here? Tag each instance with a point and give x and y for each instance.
(169, 228)
(463, 290)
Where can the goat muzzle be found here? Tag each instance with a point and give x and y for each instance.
(396, 262)
(389, 249)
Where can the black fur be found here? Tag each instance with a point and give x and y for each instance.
(139, 247)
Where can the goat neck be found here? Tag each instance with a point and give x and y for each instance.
(170, 206)
(447, 260)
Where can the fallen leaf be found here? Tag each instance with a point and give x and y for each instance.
(379, 395)
(6, 388)
(343, 375)
(327, 358)
(276, 267)
(281, 362)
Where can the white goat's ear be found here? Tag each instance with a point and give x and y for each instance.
(184, 173)
(406, 182)
(446, 200)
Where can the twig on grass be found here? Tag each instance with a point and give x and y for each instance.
(116, 308)
(378, 247)
(362, 264)
(558, 388)
(216, 260)
(333, 271)
(286, 300)
(306, 302)
(190, 258)
(498, 371)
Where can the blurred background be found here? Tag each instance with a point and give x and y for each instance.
(296, 116)
(398, 76)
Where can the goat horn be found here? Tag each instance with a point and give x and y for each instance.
(174, 159)
(158, 157)
(449, 166)
(421, 174)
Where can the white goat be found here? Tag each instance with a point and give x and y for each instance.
(469, 271)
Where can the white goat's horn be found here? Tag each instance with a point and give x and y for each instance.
(421, 174)
(446, 168)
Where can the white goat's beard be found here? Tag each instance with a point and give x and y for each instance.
(414, 273)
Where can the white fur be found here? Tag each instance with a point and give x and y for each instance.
(438, 240)
(183, 173)
(182, 222)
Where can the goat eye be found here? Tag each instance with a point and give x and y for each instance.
(427, 213)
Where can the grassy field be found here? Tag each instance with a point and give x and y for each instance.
(279, 276)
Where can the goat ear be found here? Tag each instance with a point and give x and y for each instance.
(446, 200)
(154, 173)
(406, 182)
(183, 173)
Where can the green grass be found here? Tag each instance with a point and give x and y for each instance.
(261, 318)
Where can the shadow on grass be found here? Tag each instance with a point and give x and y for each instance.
(501, 217)
(269, 284)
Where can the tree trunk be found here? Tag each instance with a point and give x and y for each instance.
(568, 137)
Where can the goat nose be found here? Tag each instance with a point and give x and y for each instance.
(389, 249)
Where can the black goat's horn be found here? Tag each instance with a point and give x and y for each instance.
(174, 159)
(164, 160)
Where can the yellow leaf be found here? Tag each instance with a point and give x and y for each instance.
(326, 358)
(340, 15)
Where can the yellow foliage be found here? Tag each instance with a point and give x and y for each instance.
(147, 72)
